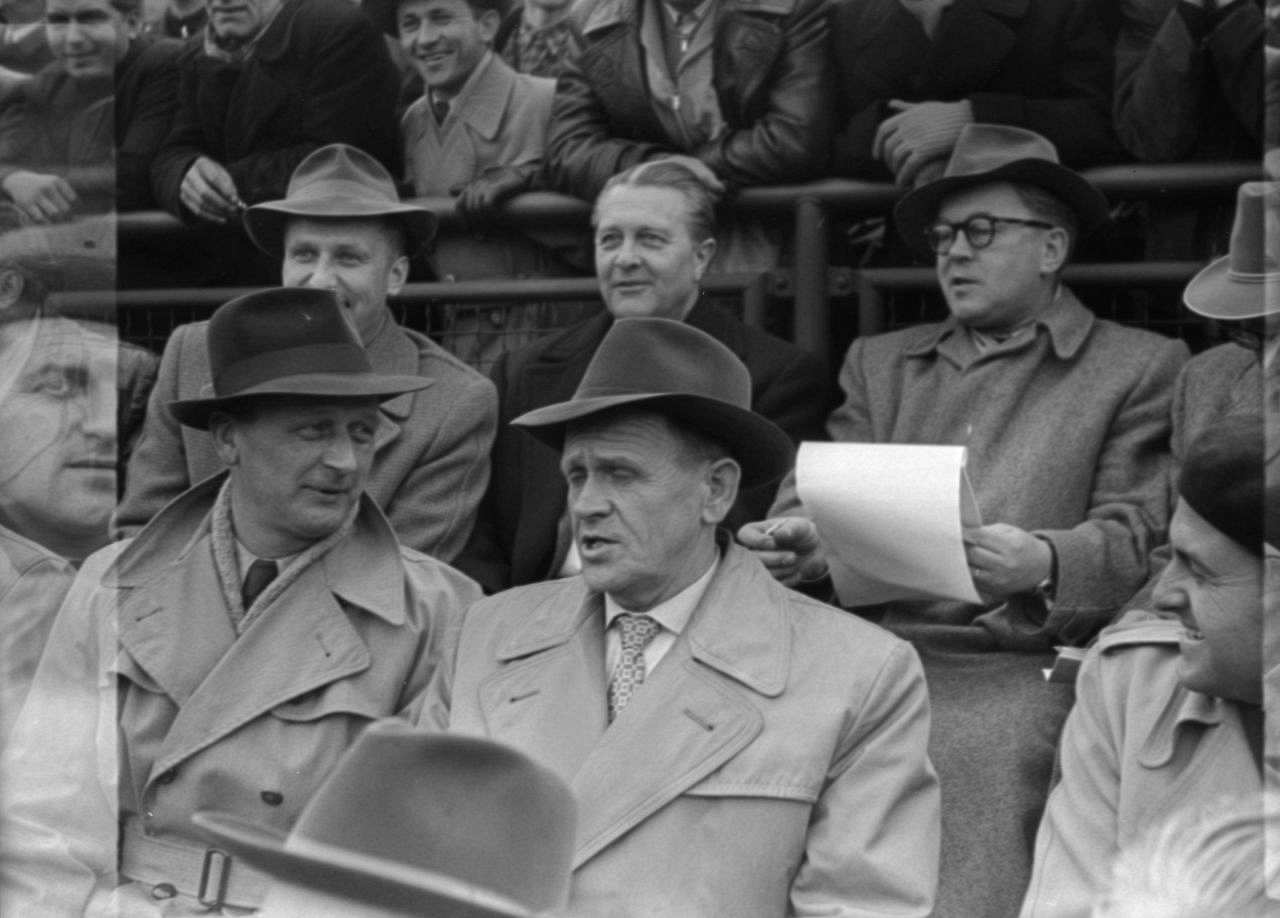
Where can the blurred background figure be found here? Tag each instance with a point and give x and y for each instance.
(418, 824)
(540, 37)
(80, 136)
(23, 49)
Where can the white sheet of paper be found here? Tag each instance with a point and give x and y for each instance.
(891, 517)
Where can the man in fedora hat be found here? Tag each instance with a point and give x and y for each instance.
(228, 655)
(343, 228)
(1065, 417)
(735, 747)
(384, 836)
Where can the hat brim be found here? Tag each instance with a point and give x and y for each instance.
(1215, 294)
(763, 451)
(195, 412)
(265, 223)
(918, 209)
(374, 880)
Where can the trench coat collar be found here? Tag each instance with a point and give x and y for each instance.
(736, 628)
(364, 568)
(607, 13)
(482, 102)
(1184, 711)
(1067, 321)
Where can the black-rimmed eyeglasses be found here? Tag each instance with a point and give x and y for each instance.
(978, 230)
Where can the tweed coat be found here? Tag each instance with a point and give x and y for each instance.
(148, 707)
(1043, 65)
(771, 74)
(773, 763)
(514, 540)
(432, 447)
(319, 74)
(1137, 747)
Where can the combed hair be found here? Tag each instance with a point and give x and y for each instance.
(660, 173)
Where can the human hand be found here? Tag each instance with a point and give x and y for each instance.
(697, 167)
(918, 133)
(41, 198)
(789, 546)
(481, 197)
(1006, 561)
(209, 191)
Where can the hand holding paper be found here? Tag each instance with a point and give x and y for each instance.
(788, 546)
(1006, 560)
(891, 517)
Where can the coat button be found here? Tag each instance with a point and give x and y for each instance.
(272, 798)
(167, 777)
(163, 891)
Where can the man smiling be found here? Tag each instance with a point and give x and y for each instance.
(342, 228)
(227, 656)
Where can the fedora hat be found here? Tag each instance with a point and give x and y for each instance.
(676, 370)
(1244, 283)
(286, 341)
(427, 823)
(337, 181)
(987, 153)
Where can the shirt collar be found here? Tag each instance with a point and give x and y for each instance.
(697, 13)
(672, 614)
(1067, 321)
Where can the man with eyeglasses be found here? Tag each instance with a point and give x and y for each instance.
(1066, 421)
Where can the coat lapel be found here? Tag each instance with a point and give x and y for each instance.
(393, 353)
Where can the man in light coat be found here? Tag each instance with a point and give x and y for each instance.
(228, 655)
(735, 748)
(342, 228)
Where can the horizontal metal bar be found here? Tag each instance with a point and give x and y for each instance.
(1100, 274)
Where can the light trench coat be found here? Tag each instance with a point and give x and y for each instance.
(206, 720)
(774, 763)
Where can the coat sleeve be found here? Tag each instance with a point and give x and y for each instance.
(1162, 68)
(157, 469)
(435, 507)
(582, 150)
(1104, 559)
(1077, 839)
(790, 141)
(152, 115)
(60, 805)
(874, 838)
(184, 142)
(1076, 115)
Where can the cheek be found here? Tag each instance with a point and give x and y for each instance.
(44, 426)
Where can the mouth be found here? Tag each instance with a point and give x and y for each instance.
(329, 493)
(592, 546)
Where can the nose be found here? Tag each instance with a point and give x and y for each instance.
(341, 454)
(960, 246)
(588, 500)
(1168, 596)
(322, 276)
(74, 33)
(424, 35)
(98, 411)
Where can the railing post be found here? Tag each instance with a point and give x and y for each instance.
(811, 320)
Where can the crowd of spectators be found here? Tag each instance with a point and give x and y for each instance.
(220, 564)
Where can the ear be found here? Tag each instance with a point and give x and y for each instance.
(703, 252)
(12, 284)
(488, 22)
(723, 477)
(1053, 254)
(222, 430)
(397, 274)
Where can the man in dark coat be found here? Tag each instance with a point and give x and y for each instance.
(271, 82)
(519, 536)
(908, 81)
(742, 87)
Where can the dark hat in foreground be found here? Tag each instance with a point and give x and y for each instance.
(426, 823)
(1245, 283)
(676, 370)
(286, 341)
(338, 182)
(987, 153)
(1222, 479)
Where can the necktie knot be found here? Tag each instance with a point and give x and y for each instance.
(636, 632)
(260, 574)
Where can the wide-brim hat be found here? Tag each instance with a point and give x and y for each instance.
(987, 153)
(286, 341)
(683, 373)
(428, 823)
(338, 182)
(1244, 283)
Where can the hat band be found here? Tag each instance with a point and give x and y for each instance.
(342, 188)
(1252, 277)
(337, 358)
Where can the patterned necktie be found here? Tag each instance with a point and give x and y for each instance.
(637, 632)
(260, 574)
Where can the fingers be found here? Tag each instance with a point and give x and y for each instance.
(208, 191)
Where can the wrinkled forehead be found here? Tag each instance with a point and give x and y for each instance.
(44, 335)
(641, 205)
